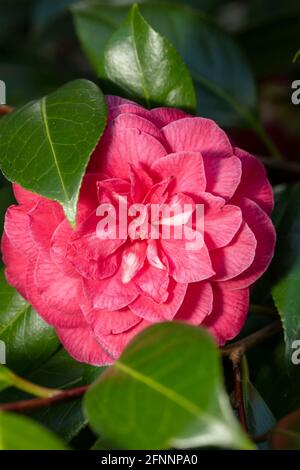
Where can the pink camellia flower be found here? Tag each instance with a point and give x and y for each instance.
(99, 293)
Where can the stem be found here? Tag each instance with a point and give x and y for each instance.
(239, 347)
(5, 109)
(29, 387)
(235, 358)
(263, 310)
(35, 403)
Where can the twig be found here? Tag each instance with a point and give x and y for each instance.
(235, 357)
(35, 403)
(4, 109)
(234, 351)
(252, 340)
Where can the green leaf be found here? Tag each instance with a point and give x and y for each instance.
(286, 268)
(20, 433)
(61, 371)
(286, 434)
(45, 146)
(146, 67)
(223, 80)
(29, 340)
(258, 415)
(272, 25)
(165, 391)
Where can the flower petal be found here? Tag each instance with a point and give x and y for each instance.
(197, 304)
(17, 229)
(233, 259)
(254, 182)
(229, 314)
(82, 346)
(264, 231)
(185, 168)
(187, 265)
(151, 311)
(223, 175)
(110, 293)
(197, 134)
(220, 227)
(106, 322)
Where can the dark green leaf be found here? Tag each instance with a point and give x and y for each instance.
(61, 371)
(45, 146)
(286, 268)
(258, 415)
(29, 340)
(286, 434)
(224, 82)
(273, 25)
(165, 391)
(20, 433)
(146, 67)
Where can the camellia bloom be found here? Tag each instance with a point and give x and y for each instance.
(98, 294)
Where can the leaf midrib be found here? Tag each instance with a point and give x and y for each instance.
(173, 396)
(48, 135)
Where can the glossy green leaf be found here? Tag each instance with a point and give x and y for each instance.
(20, 433)
(165, 391)
(286, 434)
(259, 417)
(29, 340)
(146, 67)
(61, 371)
(223, 80)
(45, 146)
(286, 268)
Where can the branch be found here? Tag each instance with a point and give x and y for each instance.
(239, 347)
(238, 388)
(4, 109)
(35, 403)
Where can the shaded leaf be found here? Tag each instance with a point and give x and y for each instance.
(29, 340)
(165, 391)
(286, 434)
(20, 433)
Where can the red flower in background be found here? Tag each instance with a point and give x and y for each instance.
(98, 294)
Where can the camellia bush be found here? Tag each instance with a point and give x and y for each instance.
(115, 332)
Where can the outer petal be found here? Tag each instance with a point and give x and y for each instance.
(24, 197)
(44, 219)
(197, 134)
(16, 265)
(163, 116)
(133, 121)
(197, 304)
(186, 169)
(146, 308)
(17, 229)
(265, 234)
(51, 314)
(223, 175)
(254, 182)
(82, 346)
(56, 288)
(236, 257)
(105, 322)
(229, 312)
(115, 344)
